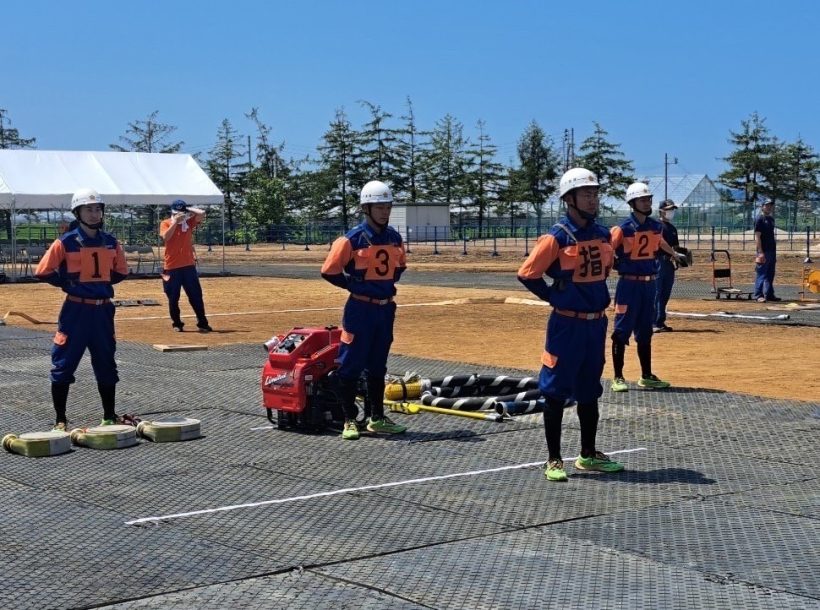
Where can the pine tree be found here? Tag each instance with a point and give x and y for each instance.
(227, 166)
(484, 175)
(148, 136)
(268, 155)
(267, 182)
(410, 152)
(377, 146)
(338, 172)
(607, 162)
(10, 138)
(747, 162)
(535, 180)
(444, 164)
(802, 166)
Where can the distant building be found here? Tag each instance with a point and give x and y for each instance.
(422, 221)
(695, 194)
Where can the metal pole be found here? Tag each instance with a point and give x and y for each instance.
(223, 238)
(13, 238)
(808, 260)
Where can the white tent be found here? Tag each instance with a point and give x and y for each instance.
(46, 179)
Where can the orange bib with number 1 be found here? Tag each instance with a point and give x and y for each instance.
(96, 264)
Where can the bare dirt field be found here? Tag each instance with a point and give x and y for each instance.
(765, 360)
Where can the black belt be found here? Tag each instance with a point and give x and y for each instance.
(74, 299)
(581, 315)
(639, 278)
(360, 297)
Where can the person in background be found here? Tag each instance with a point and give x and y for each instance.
(179, 267)
(637, 242)
(766, 258)
(666, 266)
(85, 262)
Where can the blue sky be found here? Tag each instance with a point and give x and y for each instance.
(661, 77)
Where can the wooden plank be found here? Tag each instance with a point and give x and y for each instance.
(179, 348)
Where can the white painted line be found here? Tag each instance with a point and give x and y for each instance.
(336, 492)
(259, 313)
(263, 428)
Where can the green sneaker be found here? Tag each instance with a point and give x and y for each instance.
(384, 425)
(60, 426)
(598, 461)
(652, 382)
(110, 422)
(554, 471)
(619, 385)
(351, 431)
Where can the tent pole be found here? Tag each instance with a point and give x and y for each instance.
(13, 238)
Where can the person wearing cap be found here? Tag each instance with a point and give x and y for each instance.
(85, 262)
(766, 258)
(666, 266)
(179, 266)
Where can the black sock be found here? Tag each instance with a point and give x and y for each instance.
(645, 358)
(59, 396)
(618, 352)
(108, 395)
(553, 415)
(588, 418)
(375, 394)
(348, 391)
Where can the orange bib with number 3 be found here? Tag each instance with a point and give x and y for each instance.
(96, 264)
(382, 262)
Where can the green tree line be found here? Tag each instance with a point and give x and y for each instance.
(264, 186)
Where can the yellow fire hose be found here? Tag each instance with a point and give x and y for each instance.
(37, 444)
(413, 408)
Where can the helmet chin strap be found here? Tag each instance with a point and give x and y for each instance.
(96, 226)
(585, 215)
(367, 213)
(635, 209)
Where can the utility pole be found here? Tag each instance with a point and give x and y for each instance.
(569, 148)
(666, 164)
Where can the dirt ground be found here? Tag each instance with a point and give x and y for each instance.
(770, 361)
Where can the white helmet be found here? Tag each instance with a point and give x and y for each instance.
(85, 197)
(376, 191)
(576, 178)
(637, 190)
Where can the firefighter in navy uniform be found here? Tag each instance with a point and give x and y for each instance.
(367, 262)
(576, 253)
(85, 262)
(637, 242)
(666, 266)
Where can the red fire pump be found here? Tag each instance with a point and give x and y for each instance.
(299, 387)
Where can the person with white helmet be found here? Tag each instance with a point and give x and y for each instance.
(85, 262)
(367, 262)
(637, 242)
(179, 264)
(577, 255)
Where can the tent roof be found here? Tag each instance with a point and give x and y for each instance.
(41, 179)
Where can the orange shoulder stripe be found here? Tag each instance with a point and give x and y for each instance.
(541, 257)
